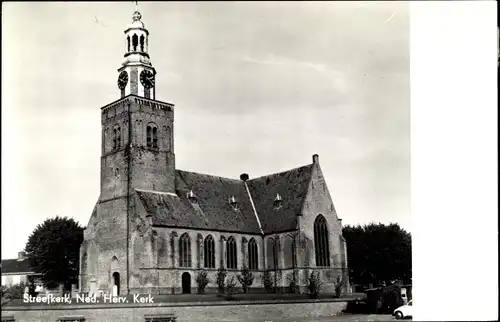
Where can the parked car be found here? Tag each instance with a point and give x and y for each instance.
(405, 311)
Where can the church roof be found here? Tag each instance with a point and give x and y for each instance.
(292, 186)
(211, 208)
(10, 266)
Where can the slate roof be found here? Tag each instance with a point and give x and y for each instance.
(15, 266)
(213, 211)
(292, 186)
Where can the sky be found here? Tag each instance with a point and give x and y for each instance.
(258, 88)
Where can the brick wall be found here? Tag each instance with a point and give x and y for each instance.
(107, 241)
(122, 170)
(152, 169)
(192, 312)
(319, 201)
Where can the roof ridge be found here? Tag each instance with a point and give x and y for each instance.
(282, 172)
(253, 207)
(208, 175)
(158, 192)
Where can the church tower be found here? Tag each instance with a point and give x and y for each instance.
(137, 130)
(137, 153)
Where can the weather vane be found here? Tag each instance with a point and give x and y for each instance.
(136, 6)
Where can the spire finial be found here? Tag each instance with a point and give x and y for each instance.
(137, 15)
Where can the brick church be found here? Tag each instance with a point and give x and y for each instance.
(155, 227)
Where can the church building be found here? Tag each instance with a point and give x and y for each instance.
(155, 227)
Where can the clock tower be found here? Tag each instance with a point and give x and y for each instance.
(136, 75)
(137, 154)
(137, 129)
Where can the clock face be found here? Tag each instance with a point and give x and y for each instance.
(147, 79)
(122, 80)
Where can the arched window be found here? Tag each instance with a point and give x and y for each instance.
(253, 258)
(152, 136)
(92, 259)
(118, 138)
(168, 139)
(149, 137)
(231, 255)
(289, 252)
(155, 138)
(135, 41)
(114, 139)
(184, 251)
(271, 253)
(209, 252)
(128, 43)
(321, 243)
(142, 42)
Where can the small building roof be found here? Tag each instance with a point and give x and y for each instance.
(11, 266)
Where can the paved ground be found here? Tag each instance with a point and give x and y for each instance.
(353, 317)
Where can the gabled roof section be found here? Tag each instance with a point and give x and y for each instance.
(292, 186)
(211, 209)
(11, 266)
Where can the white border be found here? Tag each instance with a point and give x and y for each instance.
(454, 160)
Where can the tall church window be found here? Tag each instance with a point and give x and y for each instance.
(185, 251)
(92, 259)
(152, 136)
(321, 243)
(135, 41)
(155, 138)
(231, 253)
(209, 252)
(118, 137)
(114, 139)
(289, 252)
(271, 253)
(253, 258)
(142, 42)
(168, 139)
(148, 136)
(128, 43)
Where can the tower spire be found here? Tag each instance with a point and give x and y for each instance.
(137, 73)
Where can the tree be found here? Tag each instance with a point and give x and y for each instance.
(202, 280)
(339, 284)
(246, 279)
(378, 253)
(230, 288)
(314, 285)
(13, 292)
(292, 283)
(221, 279)
(53, 249)
(267, 281)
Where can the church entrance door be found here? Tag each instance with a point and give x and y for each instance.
(186, 283)
(116, 282)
